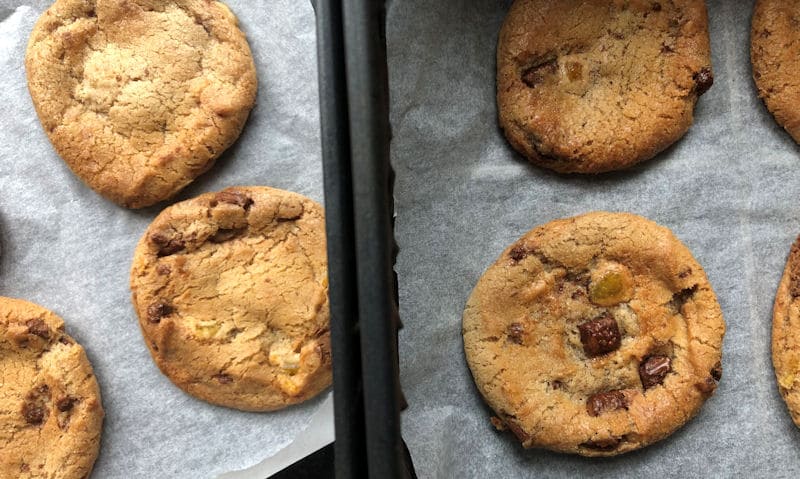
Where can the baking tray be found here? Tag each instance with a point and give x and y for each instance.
(68, 249)
(354, 110)
(728, 190)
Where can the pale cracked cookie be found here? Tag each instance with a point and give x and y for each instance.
(231, 290)
(139, 97)
(774, 41)
(50, 411)
(598, 85)
(786, 333)
(594, 335)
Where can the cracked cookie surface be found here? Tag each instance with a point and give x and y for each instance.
(139, 97)
(51, 416)
(595, 86)
(594, 335)
(785, 336)
(774, 41)
(231, 290)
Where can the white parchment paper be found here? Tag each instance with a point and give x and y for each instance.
(68, 249)
(729, 190)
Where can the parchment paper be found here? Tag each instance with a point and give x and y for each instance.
(728, 190)
(68, 249)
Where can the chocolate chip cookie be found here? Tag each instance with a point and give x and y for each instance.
(594, 335)
(50, 411)
(773, 39)
(231, 290)
(594, 86)
(785, 335)
(139, 97)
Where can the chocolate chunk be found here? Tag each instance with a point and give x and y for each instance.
(498, 423)
(34, 409)
(64, 340)
(716, 371)
(656, 7)
(600, 335)
(166, 245)
(517, 430)
(232, 197)
(158, 310)
(581, 278)
(223, 378)
(537, 73)
(323, 348)
(616, 35)
(163, 269)
(39, 328)
(703, 80)
(66, 403)
(518, 253)
(222, 235)
(602, 444)
(707, 386)
(34, 412)
(600, 403)
(653, 370)
(682, 297)
(515, 332)
(683, 274)
(557, 384)
(234, 332)
(666, 48)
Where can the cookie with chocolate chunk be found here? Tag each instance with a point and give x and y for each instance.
(51, 416)
(785, 336)
(139, 97)
(775, 30)
(594, 335)
(231, 290)
(594, 86)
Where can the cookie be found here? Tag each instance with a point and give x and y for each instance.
(594, 335)
(139, 97)
(50, 411)
(594, 86)
(785, 336)
(231, 290)
(774, 32)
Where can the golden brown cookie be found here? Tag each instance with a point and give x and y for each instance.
(51, 417)
(599, 85)
(774, 38)
(594, 335)
(139, 97)
(231, 289)
(786, 333)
